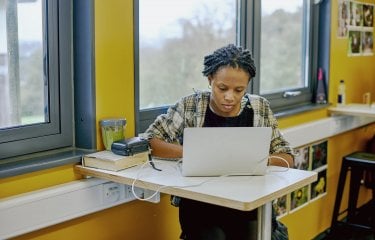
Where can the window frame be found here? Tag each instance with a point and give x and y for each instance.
(81, 26)
(277, 100)
(249, 26)
(56, 133)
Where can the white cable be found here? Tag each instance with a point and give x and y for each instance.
(161, 187)
(157, 191)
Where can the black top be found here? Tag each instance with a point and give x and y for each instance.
(197, 218)
(245, 119)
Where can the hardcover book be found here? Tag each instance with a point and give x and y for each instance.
(109, 161)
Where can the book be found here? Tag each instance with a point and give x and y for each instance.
(109, 161)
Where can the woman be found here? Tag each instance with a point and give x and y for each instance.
(229, 71)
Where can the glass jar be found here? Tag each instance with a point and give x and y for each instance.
(112, 130)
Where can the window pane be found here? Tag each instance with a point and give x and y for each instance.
(174, 37)
(282, 64)
(23, 95)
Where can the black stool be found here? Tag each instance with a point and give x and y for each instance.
(356, 162)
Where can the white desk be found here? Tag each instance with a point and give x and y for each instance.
(354, 109)
(241, 192)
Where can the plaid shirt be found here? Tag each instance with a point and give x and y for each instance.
(190, 111)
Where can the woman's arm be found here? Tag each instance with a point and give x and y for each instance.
(162, 149)
(276, 160)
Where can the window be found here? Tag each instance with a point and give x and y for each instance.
(283, 44)
(167, 30)
(172, 37)
(35, 76)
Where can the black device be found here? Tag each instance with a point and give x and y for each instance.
(130, 146)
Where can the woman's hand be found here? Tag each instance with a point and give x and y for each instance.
(162, 149)
(277, 160)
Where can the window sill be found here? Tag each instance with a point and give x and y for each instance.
(36, 162)
(299, 109)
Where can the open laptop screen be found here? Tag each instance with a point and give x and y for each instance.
(217, 151)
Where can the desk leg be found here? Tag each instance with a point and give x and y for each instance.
(265, 221)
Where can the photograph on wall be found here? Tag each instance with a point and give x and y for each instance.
(367, 43)
(319, 187)
(360, 28)
(368, 15)
(301, 158)
(355, 14)
(299, 198)
(318, 155)
(354, 41)
(343, 19)
(280, 206)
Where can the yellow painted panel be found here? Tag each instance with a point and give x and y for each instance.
(357, 72)
(36, 180)
(114, 62)
(302, 118)
(134, 220)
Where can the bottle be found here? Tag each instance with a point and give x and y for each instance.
(321, 97)
(341, 97)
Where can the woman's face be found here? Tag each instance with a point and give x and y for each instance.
(228, 87)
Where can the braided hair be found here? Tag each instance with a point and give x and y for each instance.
(232, 56)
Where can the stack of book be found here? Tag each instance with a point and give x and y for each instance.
(107, 160)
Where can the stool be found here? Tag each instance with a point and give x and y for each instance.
(356, 162)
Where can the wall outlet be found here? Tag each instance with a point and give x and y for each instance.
(130, 195)
(112, 192)
(141, 194)
(149, 193)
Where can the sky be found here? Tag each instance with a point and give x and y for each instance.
(29, 22)
(161, 14)
(270, 6)
(159, 17)
(29, 27)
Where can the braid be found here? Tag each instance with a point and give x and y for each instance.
(232, 56)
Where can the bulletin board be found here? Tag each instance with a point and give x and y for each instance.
(356, 25)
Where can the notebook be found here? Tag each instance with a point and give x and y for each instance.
(218, 151)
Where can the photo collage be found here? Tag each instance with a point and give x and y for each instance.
(311, 158)
(356, 23)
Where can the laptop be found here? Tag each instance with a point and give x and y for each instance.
(220, 151)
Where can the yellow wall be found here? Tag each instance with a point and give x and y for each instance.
(114, 62)
(358, 72)
(115, 87)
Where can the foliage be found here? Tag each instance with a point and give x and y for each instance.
(173, 69)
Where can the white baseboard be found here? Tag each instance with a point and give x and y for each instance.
(38, 209)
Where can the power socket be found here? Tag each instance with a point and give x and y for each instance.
(130, 195)
(128, 192)
(116, 193)
(112, 192)
(148, 193)
(141, 194)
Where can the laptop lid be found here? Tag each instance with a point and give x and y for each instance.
(217, 151)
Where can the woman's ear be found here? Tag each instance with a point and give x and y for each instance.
(209, 80)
